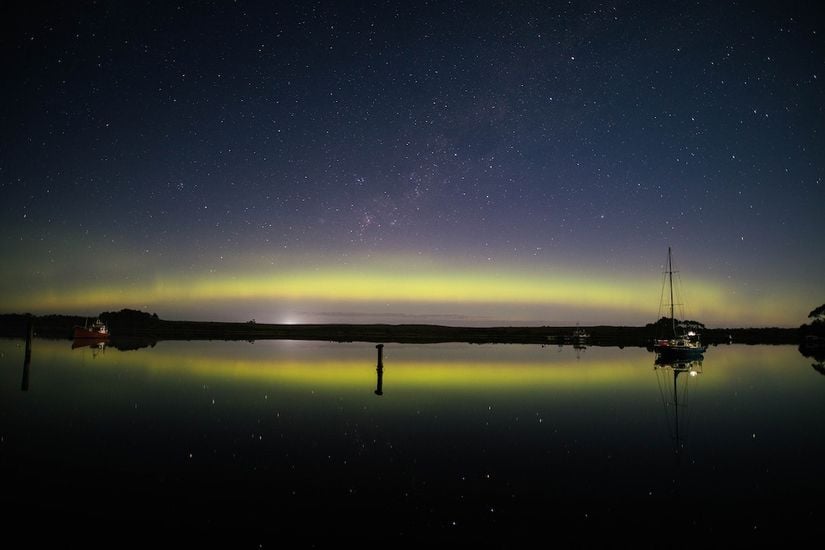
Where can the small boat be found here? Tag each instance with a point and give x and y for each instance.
(97, 331)
(580, 336)
(681, 347)
(680, 343)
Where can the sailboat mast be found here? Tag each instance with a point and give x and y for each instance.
(670, 276)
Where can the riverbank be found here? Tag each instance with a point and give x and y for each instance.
(138, 326)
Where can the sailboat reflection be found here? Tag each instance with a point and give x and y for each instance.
(27, 358)
(24, 384)
(675, 394)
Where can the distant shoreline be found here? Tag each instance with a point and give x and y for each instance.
(142, 326)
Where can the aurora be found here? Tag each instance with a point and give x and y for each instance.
(398, 168)
(309, 295)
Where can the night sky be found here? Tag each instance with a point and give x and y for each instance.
(463, 163)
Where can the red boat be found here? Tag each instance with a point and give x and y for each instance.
(97, 331)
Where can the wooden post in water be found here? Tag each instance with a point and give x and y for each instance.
(24, 386)
(379, 369)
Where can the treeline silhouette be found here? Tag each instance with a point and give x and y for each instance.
(143, 326)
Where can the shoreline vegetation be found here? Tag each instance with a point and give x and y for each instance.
(131, 329)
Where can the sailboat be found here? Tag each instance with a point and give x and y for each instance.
(680, 343)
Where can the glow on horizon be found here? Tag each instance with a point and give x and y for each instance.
(619, 296)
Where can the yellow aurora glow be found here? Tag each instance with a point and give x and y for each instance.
(422, 286)
(499, 368)
(365, 287)
(431, 367)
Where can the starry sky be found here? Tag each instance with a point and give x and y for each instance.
(460, 163)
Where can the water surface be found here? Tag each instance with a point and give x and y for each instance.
(494, 444)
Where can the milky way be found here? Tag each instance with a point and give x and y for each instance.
(526, 162)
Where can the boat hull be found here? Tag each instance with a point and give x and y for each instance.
(669, 350)
(86, 334)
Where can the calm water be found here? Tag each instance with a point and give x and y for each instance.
(493, 445)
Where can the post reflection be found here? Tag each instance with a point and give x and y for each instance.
(379, 371)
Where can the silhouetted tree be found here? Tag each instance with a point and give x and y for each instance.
(818, 314)
(664, 325)
(814, 333)
(127, 320)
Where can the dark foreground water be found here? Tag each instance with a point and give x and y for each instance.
(282, 443)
